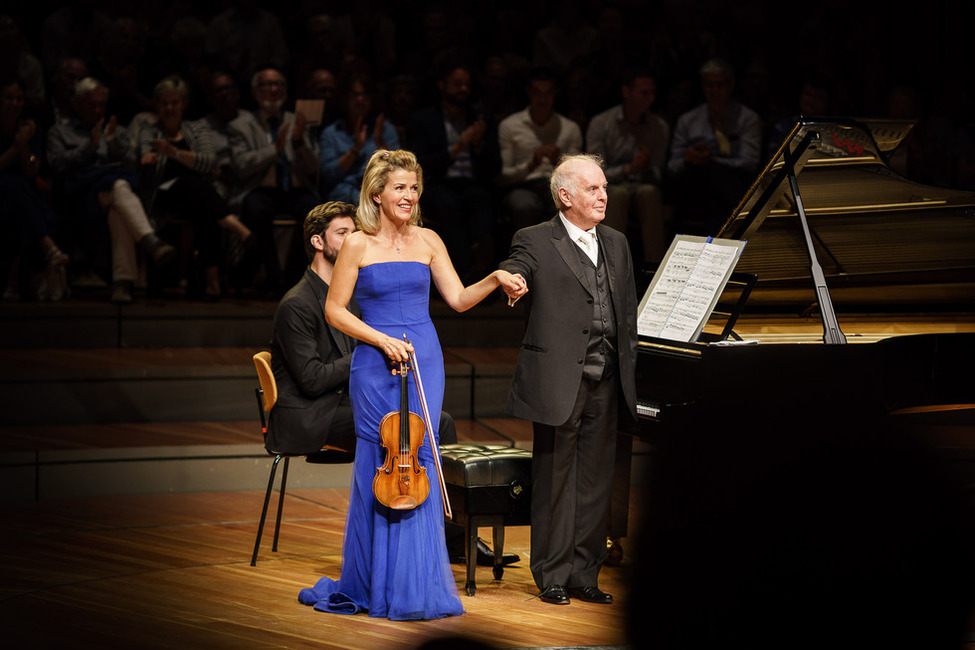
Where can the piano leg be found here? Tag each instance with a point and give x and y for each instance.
(619, 506)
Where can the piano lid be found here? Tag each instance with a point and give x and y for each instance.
(870, 226)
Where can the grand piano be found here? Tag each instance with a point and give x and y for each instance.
(816, 485)
(830, 226)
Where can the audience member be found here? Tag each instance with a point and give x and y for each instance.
(499, 88)
(921, 156)
(93, 162)
(714, 153)
(119, 65)
(633, 143)
(755, 90)
(457, 146)
(321, 84)
(514, 32)
(67, 74)
(17, 59)
(26, 218)
(531, 142)
(373, 42)
(402, 93)
(815, 100)
(272, 154)
(613, 53)
(179, 155)
(567, 41)
(347, 144)
(325, 43)
(188, 60)
(313, 44)
(436, 41)
(75, 29)
(223, 98)
(579, 95)
(245, 39)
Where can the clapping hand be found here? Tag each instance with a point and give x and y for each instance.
(102, 127)
(640, 160)
(698, 153)
(474, 134)
(298, 130)
(110, 128)
(549, 152)
(23, 135)
(377, 132)
(164, 147)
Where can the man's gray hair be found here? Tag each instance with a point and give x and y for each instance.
(717, 66)
(560, 175)
(255, 78)
(88, 85)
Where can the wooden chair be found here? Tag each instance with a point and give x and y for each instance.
(267, 397)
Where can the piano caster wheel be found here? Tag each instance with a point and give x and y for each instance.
(614, 553)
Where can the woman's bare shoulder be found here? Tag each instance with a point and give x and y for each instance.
(429, 237)
(355, 246)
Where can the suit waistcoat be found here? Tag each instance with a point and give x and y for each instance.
(601, 355)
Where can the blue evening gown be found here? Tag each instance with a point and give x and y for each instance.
(394, 563)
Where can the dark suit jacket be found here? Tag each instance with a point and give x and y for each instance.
(311, 362)
(426, 136)
(559, 312)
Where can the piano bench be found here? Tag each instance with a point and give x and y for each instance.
(488, 485)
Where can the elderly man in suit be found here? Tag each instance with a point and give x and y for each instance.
(576, 366)
(271, 154)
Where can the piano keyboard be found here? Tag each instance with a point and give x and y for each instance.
(646, 409)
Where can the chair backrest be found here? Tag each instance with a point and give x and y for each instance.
(262, 361)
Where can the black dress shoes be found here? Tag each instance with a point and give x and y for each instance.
(555, 594)
(590, 595)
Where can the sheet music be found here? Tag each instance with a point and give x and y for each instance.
(686, 287)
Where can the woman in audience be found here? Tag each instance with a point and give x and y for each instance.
(180, 155)
(22, 208)
(347, 144)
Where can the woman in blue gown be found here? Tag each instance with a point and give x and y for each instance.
(394, 562)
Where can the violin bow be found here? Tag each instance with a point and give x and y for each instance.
(426, 417)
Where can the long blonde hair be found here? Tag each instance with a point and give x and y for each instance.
(381, 165)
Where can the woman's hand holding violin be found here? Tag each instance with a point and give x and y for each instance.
(396, 349)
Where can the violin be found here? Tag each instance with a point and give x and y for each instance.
(401, 483)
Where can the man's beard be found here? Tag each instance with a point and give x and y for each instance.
(330, 254)
(272, 107)
(460, 101)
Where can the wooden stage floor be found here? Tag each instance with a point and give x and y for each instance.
(173, 571)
